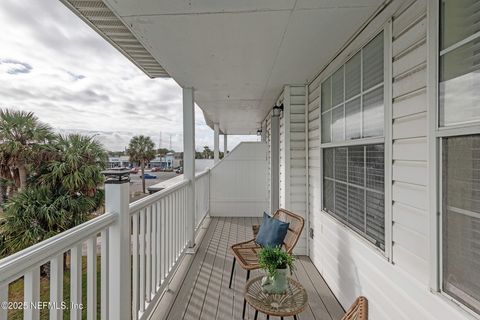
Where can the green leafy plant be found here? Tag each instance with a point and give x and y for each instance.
(272, 258)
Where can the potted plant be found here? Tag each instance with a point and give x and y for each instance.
(276, 263)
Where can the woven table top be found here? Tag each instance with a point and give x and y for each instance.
(291, 303)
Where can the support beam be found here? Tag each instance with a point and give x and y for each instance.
(189, 159)
(275, 160)
(225, 145)
(216, 144)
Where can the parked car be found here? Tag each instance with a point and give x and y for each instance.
(156, 169)
(149, 176)
(134, 170)
(179, 170)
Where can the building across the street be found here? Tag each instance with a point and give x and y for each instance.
(118, 162)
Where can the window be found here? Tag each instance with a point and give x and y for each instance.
(352, 98)
(352, 106)
(458, 108)
(353, 180)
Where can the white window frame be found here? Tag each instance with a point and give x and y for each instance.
(435, 135)
(386, 139)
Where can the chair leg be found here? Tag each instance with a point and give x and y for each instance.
(256, 315)
(245, 301)
(231, 274)
(244, 307)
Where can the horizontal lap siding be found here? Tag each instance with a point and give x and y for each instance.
(314, 184)
(409, 172)
(268, 137)
(295, 166)
(352, 267)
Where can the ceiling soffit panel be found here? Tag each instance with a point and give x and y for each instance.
(96, 14)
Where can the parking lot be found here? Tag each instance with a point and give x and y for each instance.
(136, 183)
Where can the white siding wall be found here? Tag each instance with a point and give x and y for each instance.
(292, 156)
(283, 166)
(409, 189)
(351, 266)
(268, 141)
(238, 185)
(314, 182)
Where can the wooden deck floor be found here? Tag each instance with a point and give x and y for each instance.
(204, 293)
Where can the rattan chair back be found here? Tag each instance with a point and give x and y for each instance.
(358, 310)
(294, 229)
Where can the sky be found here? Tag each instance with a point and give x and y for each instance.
(53, 64)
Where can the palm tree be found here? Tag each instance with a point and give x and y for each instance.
(75, 170)
(22, 136)
(63, 192)
(207, 153)
(141, 149)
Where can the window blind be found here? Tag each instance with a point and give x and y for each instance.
(352, 97)
(353, 188)
(461, 218)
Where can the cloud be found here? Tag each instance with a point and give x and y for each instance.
(15, 67)
(77, 82)
(76, 76)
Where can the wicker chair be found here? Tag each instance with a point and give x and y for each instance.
(358, 310)
(246, 253)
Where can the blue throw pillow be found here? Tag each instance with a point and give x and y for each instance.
(272, 232)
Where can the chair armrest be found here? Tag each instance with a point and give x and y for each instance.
(255, 229)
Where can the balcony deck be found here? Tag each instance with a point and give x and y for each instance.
(204, 294)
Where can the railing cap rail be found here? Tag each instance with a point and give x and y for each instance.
(151, 199)
(14, 266)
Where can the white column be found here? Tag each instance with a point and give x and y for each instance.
(119, 284)
(189, 159)
(275, 160)
(225, 145)
(264, 132)
(216, 143)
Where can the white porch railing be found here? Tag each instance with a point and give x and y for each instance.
(158, 237)
(27, 263)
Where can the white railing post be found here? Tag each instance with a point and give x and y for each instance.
(225, 145)
(216, 142)
(189, 160)
(119, 276)
(274, 160)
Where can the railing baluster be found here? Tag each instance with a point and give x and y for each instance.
(163, 255)
(56, 287)
(92, 278)
(153, 252)
(175, 225)
(104, 275)
(32, 294)
(142, 261)
(159, 245)
(170, 233)
(135, 270)
(3, 299)
(185, 213)
(76, 282)
(148, 253)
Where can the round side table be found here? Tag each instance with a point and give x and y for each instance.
(288, 304)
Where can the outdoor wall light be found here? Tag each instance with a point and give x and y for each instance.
(277, 110)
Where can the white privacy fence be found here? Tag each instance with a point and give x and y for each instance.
(84, 261)
(202, 196)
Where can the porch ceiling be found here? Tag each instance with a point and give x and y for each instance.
(238, 54)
